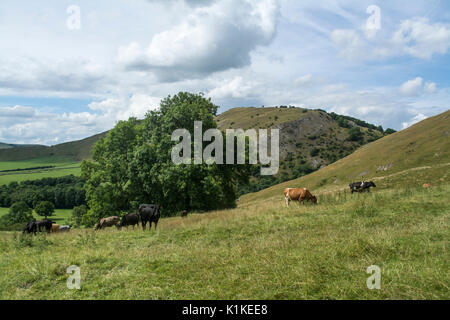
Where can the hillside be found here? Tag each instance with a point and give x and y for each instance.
(74, 150)
(419, 154)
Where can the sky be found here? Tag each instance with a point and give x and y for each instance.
(71, 69)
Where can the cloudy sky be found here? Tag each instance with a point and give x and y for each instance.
(70, 69)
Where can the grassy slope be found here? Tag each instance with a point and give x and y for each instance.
(262, 252)
(419, 154)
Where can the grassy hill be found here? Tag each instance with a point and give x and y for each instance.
(263, 251)
(419, 154)
(301, 132)
(59, 160)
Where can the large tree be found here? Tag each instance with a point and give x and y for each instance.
(133, 164)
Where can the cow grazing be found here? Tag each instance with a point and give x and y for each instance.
(184, 213)
(298, 194)
(361, 186)
(47, 224)
(107, 222)
(65, 228)
(54, 228)
(130, 219)
(427, 185)
(149, 213)
(31, 227)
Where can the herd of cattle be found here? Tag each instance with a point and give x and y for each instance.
(303, 194)
(152, 212)
(147, 213)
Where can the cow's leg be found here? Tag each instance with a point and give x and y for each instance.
(287, 200)
(144, 223)
(300, 200)
(156, 223)
(150, 225)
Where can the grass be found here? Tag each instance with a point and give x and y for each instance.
(62, 166)
(262, 251)
(60, 216)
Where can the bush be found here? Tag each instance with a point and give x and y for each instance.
(355, 134)
(314, 152)
(19, 214)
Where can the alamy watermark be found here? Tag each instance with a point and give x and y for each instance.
(213, 153)
(74, 20)
(74, 280)
(374, 281)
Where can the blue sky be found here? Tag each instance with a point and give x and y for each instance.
(70, 69)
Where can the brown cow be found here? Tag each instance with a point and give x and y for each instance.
(107, 222)
(299, 194)
(427, 185)
(54, 228)
(184, 213)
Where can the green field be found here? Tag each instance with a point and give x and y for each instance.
(62, 167)
(252, 252)
(60, 216)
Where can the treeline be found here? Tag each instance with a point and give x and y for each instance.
(64, 192)
(343, 122)
(27, 169)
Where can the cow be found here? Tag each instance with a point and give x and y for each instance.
(65, 228)
(130, 219)
(54, 228)
(426, 185)
(107, 222)
(47, 224)
(299, 194)
(361, 186)
(149, 213)
(31, 227)
(184, 213)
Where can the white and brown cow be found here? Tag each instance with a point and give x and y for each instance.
(107, 222)
(298, 194)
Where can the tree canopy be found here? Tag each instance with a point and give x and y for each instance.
(133, 164)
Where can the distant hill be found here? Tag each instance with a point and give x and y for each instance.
(11, 146)
(419, 154)
(74, 150)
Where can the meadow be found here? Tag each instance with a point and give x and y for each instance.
(61, 166)
(60, 216)
(257, 251)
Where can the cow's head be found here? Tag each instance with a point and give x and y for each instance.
(314, 199)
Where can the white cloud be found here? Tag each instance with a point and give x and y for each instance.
(214, 38)
(412, 87)
(236, 88)
(415, 37)
(417, 118)
(418, 38)
(430, 87)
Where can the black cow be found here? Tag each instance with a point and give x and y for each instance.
(150, 213)
(130, 219)
(31, 227)
(361, 186)
(184, 213)
(47, 224)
